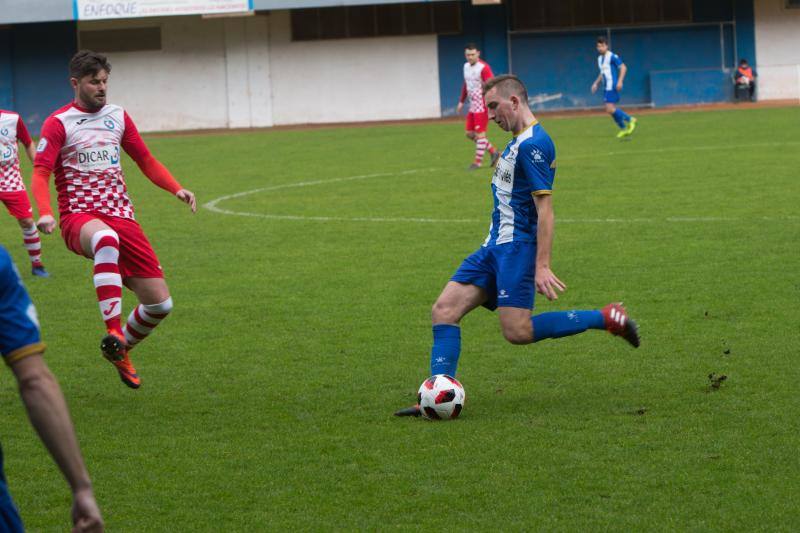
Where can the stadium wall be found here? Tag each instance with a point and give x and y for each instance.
(559, 66)
(33, 68)
(247, 72)
(351, 79)
(777, 36)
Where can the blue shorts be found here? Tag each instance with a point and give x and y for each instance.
(19, 328)
(610, 97)
(505, 272)
(9, 517)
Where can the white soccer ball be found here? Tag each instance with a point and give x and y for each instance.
(441, 397)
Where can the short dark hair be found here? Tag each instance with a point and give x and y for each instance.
(602, 39)
(88, 63)
(743, 62)
(507, 85)
(471, 46)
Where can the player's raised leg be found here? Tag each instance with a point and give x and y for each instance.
(519, 327)
(154, 305)
(102, 244)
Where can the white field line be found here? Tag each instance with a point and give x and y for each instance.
(213, 205)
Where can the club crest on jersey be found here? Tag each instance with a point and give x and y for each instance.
(98, 158)
(108, 123)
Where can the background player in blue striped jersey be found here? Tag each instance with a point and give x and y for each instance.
(514, 260)
(612, 75)
(21, 348)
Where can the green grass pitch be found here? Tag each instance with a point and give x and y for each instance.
(301, 325)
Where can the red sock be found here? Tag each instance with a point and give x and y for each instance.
(107, 280)
(490, 147)
(143, 320)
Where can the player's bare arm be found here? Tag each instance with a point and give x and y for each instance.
(597, 82)
(623, 69)
(30, 149)
(48, 413)
(547, 283)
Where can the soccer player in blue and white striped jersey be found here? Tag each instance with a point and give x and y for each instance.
(514, 261)
(611, 77)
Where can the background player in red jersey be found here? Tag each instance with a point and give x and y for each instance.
(12, 189)
(476, 72)
(81, 143)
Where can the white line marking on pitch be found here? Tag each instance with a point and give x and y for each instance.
(213, 205)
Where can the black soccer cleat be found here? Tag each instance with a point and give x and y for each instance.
(113, 348)
(618, 323)
(414, 410)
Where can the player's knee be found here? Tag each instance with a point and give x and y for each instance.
(471, 135)
(25, 223)
(104, 237)
(517, 333)
(444, 313)
(162, 308)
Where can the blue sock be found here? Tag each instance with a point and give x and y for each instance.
(626, 117)
(565, 323)
(619, 117)
(446, 349)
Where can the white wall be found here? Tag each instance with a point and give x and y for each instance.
(209, 73)
(246, 72)
(352, 79)
(777, 50)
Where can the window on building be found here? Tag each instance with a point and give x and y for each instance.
(121, 40)
(549, 14)
(376, 21)
(792, 4)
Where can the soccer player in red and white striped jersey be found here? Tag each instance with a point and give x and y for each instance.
(476, 73)
(12, 188)
(82, 143)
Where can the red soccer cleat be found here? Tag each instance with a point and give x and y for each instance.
(116, 351)
(617, 322)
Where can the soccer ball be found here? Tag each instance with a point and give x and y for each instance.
(441, 397)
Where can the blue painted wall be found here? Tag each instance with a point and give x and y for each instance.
(559, 67)
(6, 70)
(40, 54)
(708, 85)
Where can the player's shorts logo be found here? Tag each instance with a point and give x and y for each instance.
(108, 123)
